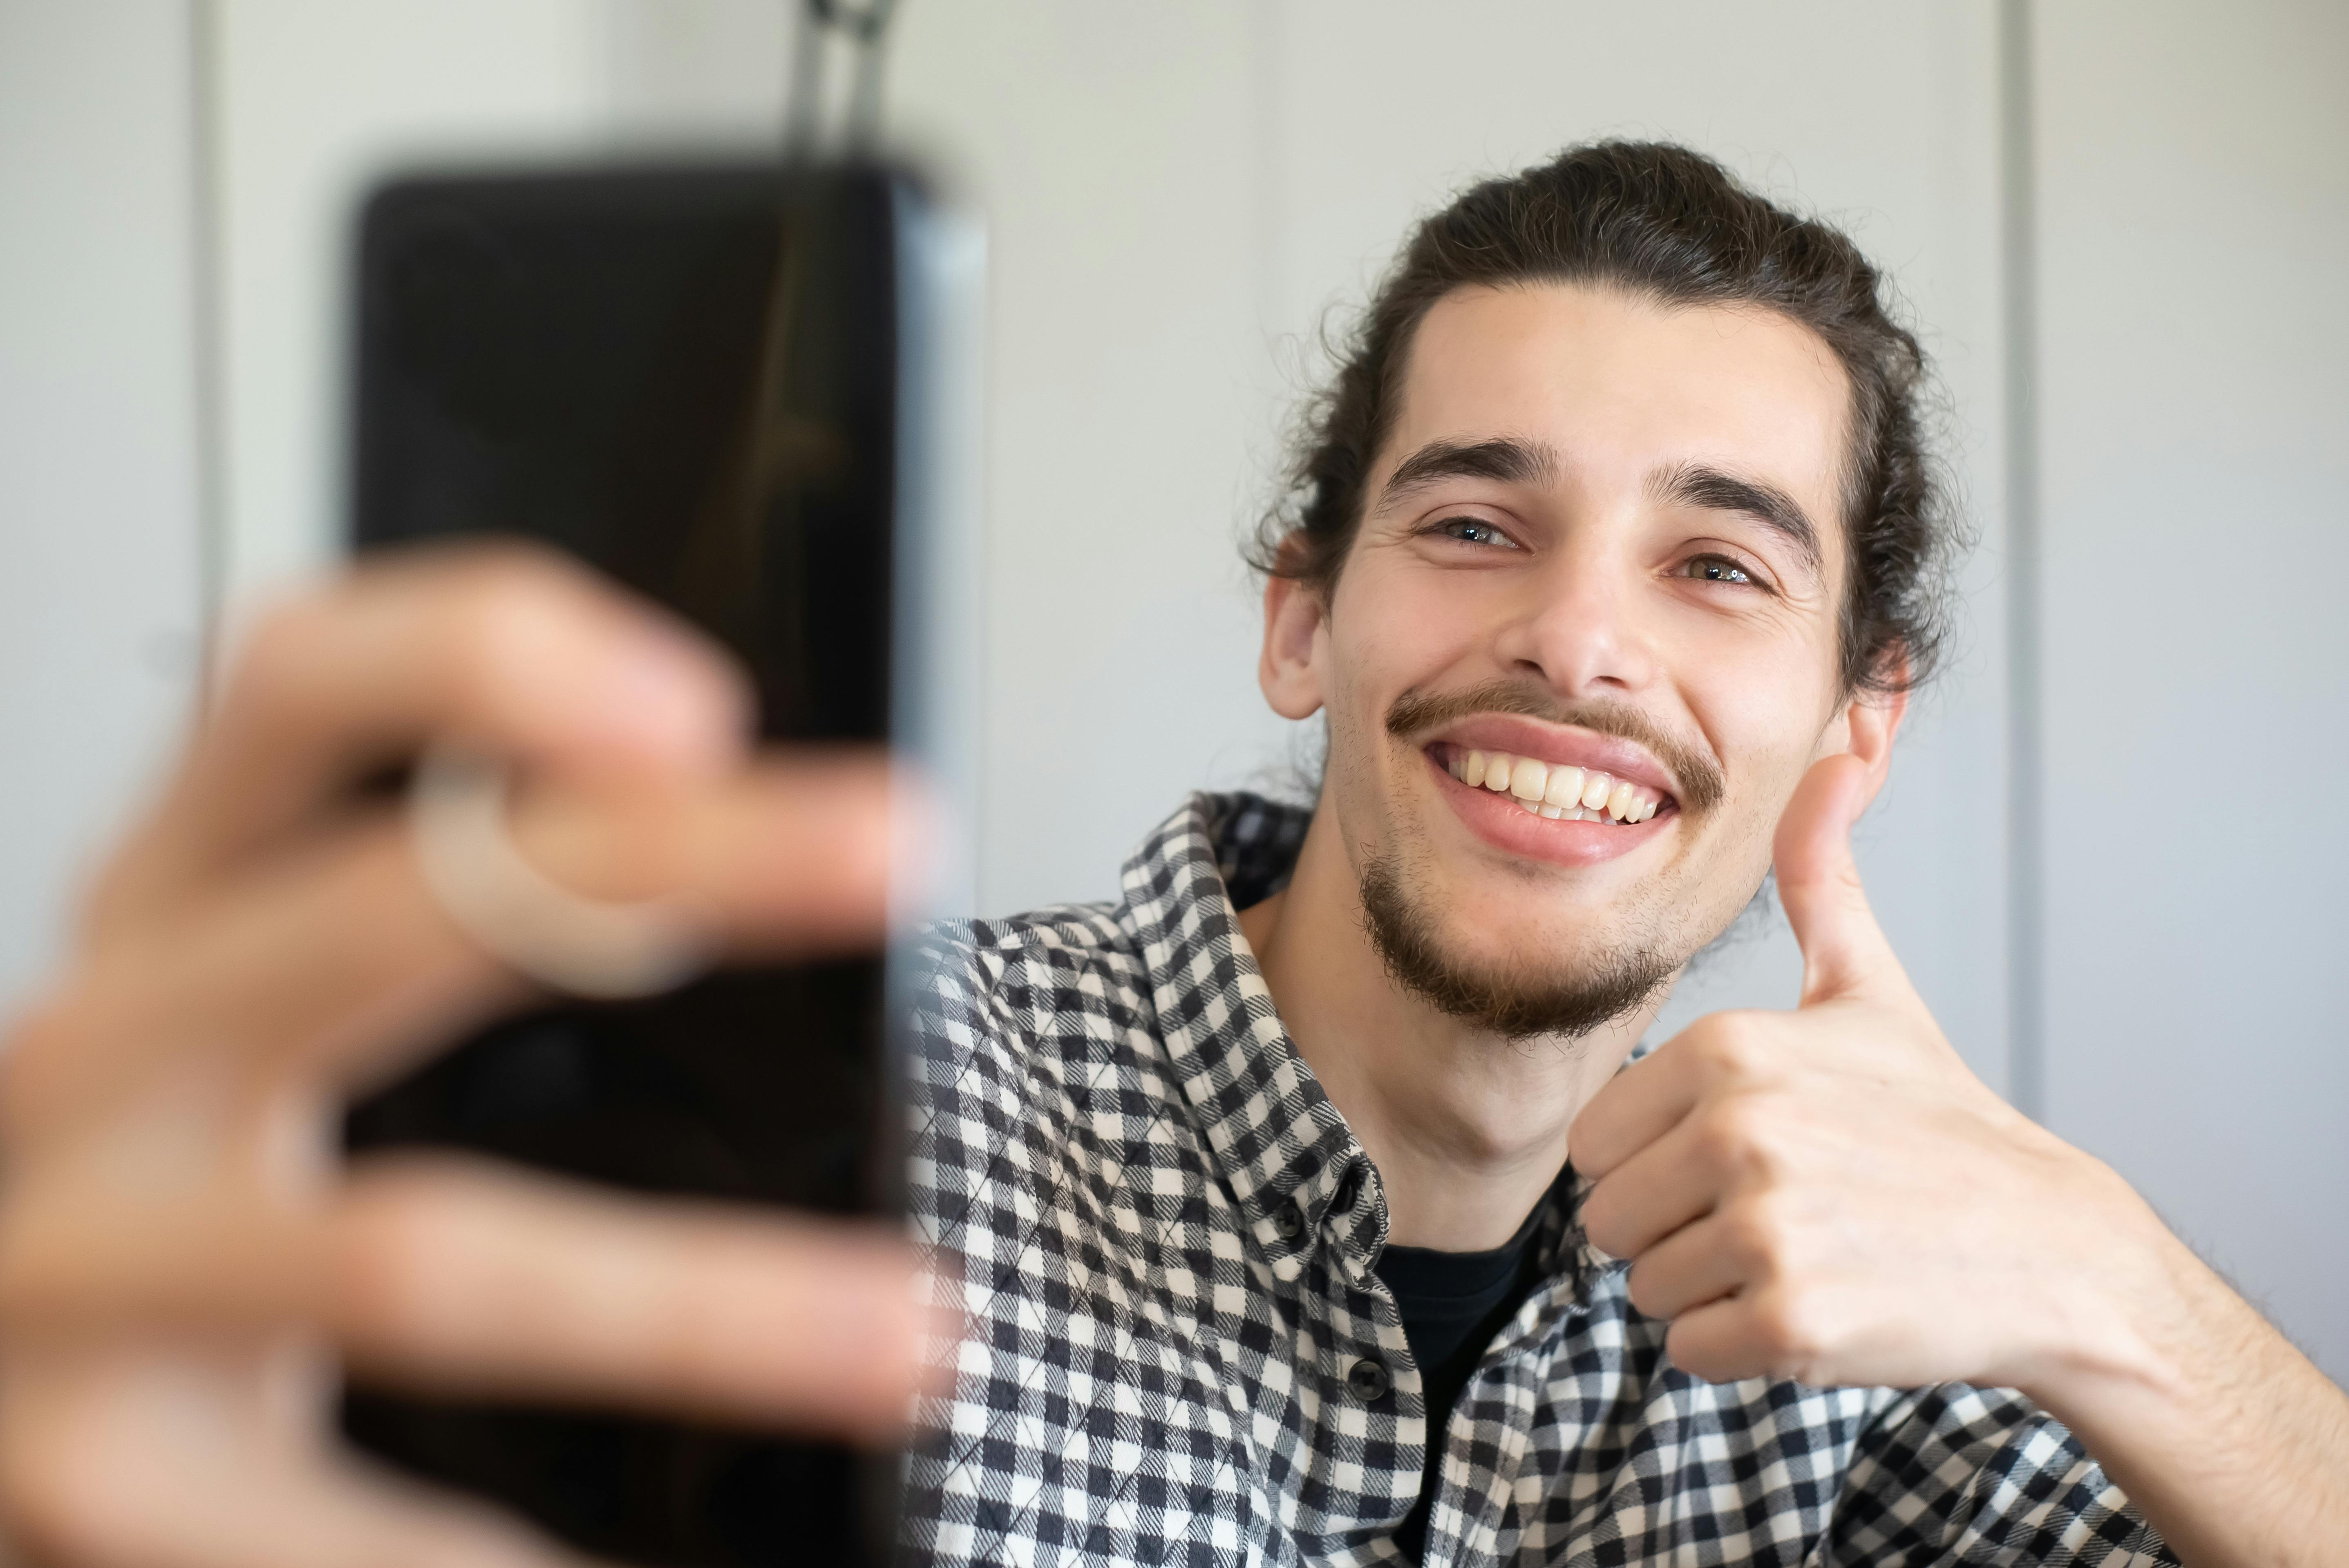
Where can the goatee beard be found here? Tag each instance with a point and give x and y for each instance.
(1559, 1002)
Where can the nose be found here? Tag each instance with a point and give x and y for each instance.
(1578, 625)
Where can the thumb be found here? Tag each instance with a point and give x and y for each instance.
(1844, 950)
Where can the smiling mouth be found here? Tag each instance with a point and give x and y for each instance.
(1559, 793)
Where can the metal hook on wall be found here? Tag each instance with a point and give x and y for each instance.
(860, 24)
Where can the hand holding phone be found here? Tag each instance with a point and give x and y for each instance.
(180, 1269)
(722, 387)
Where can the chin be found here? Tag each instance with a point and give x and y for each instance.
(1474, 959)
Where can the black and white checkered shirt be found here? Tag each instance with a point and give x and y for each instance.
(1162, 1233)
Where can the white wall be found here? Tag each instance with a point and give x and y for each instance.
(2195, 440)
(315, 100)
(1177, 195)
(97, 478)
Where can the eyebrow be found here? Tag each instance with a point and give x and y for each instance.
(1697, 484)
(1509, 460)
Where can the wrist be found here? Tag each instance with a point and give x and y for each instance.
(2130, 1306)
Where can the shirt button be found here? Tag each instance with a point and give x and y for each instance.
(1289, 1221)
(1369, 1381)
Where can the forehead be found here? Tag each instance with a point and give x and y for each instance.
(1623, 386)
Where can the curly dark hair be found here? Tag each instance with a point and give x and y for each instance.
(1670, 225)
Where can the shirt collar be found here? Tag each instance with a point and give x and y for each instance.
(1291, 1161)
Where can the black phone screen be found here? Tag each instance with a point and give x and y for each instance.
(690, 379)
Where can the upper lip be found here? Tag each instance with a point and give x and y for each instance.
(1560, 746)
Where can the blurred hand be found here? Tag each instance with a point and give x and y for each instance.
(1829, 1195)
(184, 1258)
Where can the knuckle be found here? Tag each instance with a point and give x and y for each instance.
(1640, 1287)
(389, 1240)
(1734, 1137)
(1735, 1045)
(505, 625)
(522, 574)
(1601, 1222)
(1755, 1238)
(1789, 1331)
(1698, 1356)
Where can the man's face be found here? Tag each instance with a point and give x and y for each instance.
(1603, 539)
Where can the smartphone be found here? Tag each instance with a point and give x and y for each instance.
(742, 390)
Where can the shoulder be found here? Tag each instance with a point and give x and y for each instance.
(1024, 1034)
(1015, 965)
(1031, 994)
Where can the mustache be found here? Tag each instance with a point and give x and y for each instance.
(1697, 779)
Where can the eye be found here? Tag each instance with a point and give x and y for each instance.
(1717, 569)
(1473, 530)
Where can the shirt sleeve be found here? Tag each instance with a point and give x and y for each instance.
(1955, 1475)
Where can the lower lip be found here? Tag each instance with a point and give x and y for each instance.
(1495, 817)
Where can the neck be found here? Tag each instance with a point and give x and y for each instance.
(1467, 1128)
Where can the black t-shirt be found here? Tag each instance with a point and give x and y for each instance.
(1452, 1306)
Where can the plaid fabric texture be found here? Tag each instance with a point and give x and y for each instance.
(1162, 1233)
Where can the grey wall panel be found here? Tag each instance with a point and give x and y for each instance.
(2194, 211)
(99, 592)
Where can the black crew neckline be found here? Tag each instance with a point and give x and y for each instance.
(1452, 1305)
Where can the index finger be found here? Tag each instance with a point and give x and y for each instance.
(341, 964)
(457, 1275)
(1639, 1105)
(508, 646)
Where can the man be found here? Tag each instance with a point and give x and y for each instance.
(1298, 1208)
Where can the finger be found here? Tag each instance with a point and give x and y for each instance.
(1702, 1262)
(340, 962)
(151, 1459)
(1674, 1179)
(797, 854)
(453, 1276)
(473, 1278)
(1717, 1343)
(508, 647)
(1844, 950)
(1639, 1105)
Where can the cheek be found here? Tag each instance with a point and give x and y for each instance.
(1387, 633)
(1764, 713)
(1390, 630)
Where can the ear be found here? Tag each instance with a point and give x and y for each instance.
(1867, 724)
(1290, 668)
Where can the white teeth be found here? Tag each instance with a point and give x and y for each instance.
(1562, 793)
